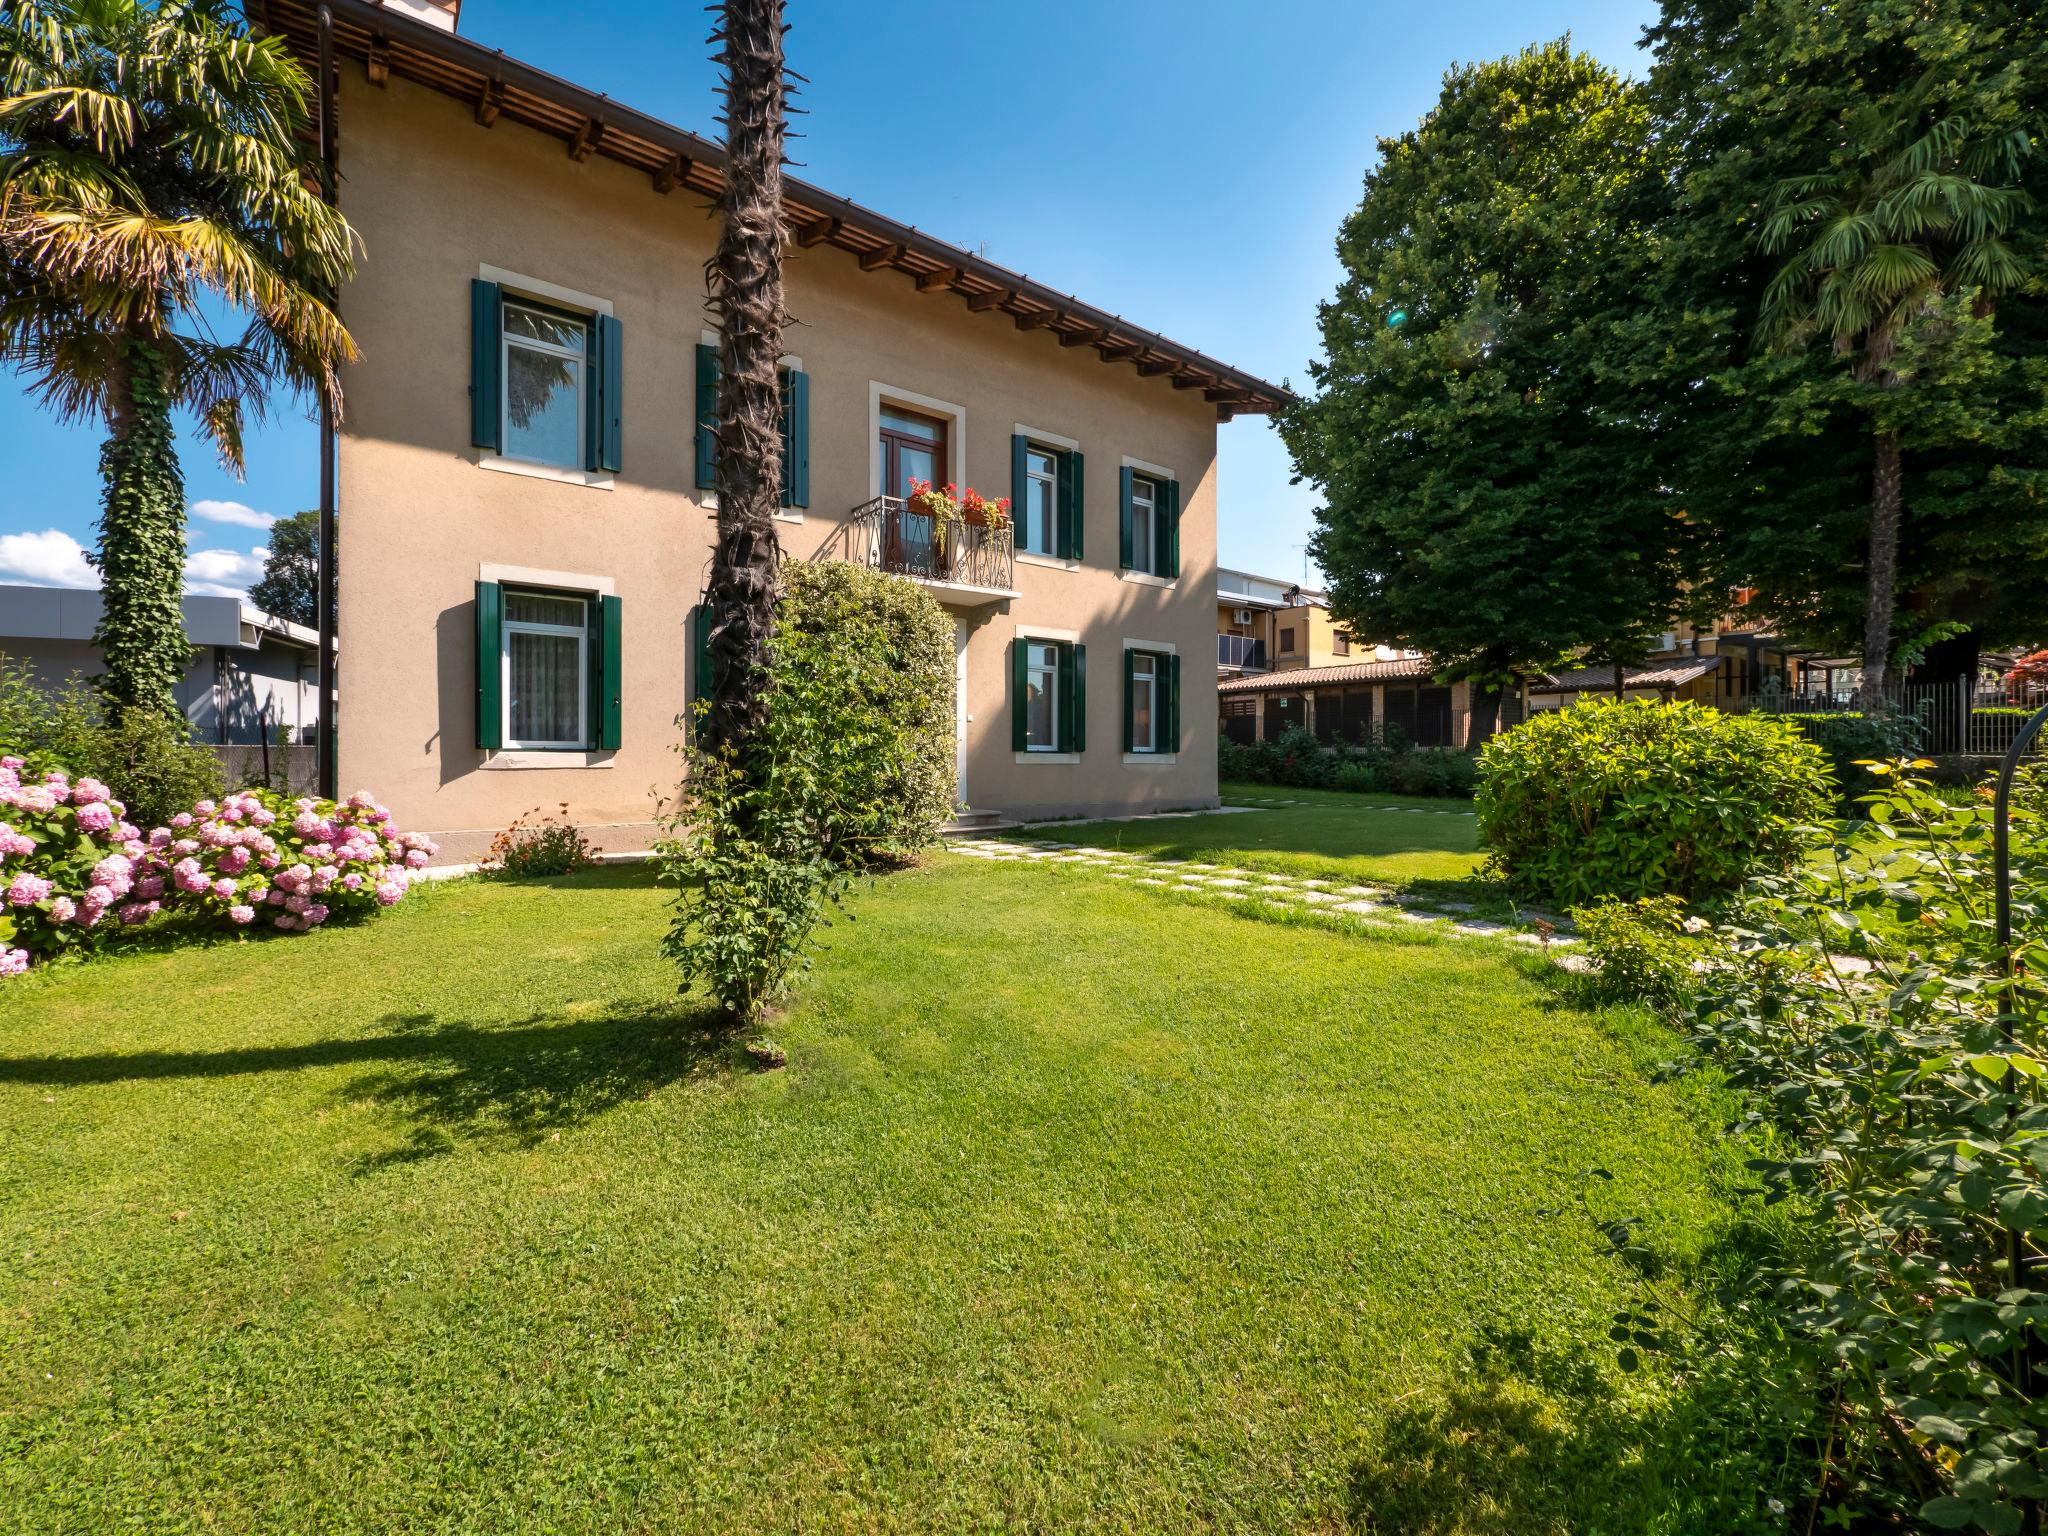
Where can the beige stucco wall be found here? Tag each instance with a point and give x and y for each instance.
(434, 196)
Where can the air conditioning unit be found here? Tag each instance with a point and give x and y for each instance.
(1241, 616)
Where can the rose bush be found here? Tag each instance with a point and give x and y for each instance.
(69, 858)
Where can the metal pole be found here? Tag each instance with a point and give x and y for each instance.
(328, 769)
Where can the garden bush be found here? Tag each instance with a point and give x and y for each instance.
(1377, 766)
(70, 858)
(853, 768)
(864, 661)
(150, 759)
(1645, 799)
(1854, 741)
(1898, 1086)
(529, 850)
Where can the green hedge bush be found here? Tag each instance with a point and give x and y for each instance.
(1645, 799)
(1299, 761)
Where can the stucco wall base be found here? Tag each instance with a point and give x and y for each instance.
(466, 845)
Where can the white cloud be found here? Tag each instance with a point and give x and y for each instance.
(51, 558)
(223, 572)
(232, 512)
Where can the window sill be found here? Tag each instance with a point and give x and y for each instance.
(1047, 757)
(1150, 759)
(1050, 562)
(1147, 579)
(790, 515)
(597, 480)
(539, 757)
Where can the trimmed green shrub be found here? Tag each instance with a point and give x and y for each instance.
(1379, 766)
(1644, 799)
(1851, 740)
(1639, 950)
(868, 660)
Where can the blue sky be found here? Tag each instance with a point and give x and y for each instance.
(1185, 163)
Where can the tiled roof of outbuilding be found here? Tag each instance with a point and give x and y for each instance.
(1412, 669)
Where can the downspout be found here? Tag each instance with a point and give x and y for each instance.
(328, 773)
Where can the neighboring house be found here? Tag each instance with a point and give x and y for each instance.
(1248, 610)
(1725, 665)
(1349, 702)
(528, 486)
(252, 673)
(1284, 662)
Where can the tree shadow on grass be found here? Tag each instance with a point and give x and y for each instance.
(515, 1083)
(1531, 1441)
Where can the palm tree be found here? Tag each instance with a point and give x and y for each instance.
(745, 275)
(1876, 255)
(153, 169)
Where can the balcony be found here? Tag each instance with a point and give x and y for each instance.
(966, 565)
(1241, 653)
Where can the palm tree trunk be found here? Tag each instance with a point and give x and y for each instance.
(746, 290)
(141, 555)
(1881, 569)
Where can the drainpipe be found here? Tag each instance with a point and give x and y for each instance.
(329, 776)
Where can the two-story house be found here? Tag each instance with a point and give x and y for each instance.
(527, 490)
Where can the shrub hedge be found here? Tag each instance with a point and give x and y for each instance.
(1646, 799)
(1379, 766)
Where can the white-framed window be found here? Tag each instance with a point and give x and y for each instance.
(1144, 524)
(1041, 696)
(546, 662)
(1037, 519)
(544, 365)
(1144, 702)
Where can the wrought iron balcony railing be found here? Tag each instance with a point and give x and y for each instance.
(1241, 651)
(886, 535)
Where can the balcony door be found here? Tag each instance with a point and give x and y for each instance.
(913, 448)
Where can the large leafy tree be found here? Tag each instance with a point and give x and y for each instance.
(746, 291)
(1479, 431)
(1850, 305)
(290, 584)
(154, 174)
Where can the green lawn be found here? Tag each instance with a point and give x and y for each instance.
(1075, 1209)
(1402, 841)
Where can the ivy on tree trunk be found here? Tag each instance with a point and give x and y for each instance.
(141, 555)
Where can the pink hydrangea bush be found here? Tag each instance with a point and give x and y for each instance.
(72, 866)
(257, 859)
(66, 858)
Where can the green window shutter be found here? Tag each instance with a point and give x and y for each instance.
(1170, 531)
(1020, 484)
(1124, 516)
(1131, 700)
(603, 441)
(610, 656)
(1074, 670)
(490, 677)
(707, 418)
(486, 346)
(796, 438)
(1170, 740)
(1070, 504)
(1020, 694)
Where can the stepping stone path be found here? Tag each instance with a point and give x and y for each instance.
(1372, 904)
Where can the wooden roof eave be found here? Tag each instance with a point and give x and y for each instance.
(590, 124)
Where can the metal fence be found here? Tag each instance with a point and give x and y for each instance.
(1961, 717)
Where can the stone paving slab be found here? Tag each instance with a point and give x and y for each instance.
(1200, 878)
